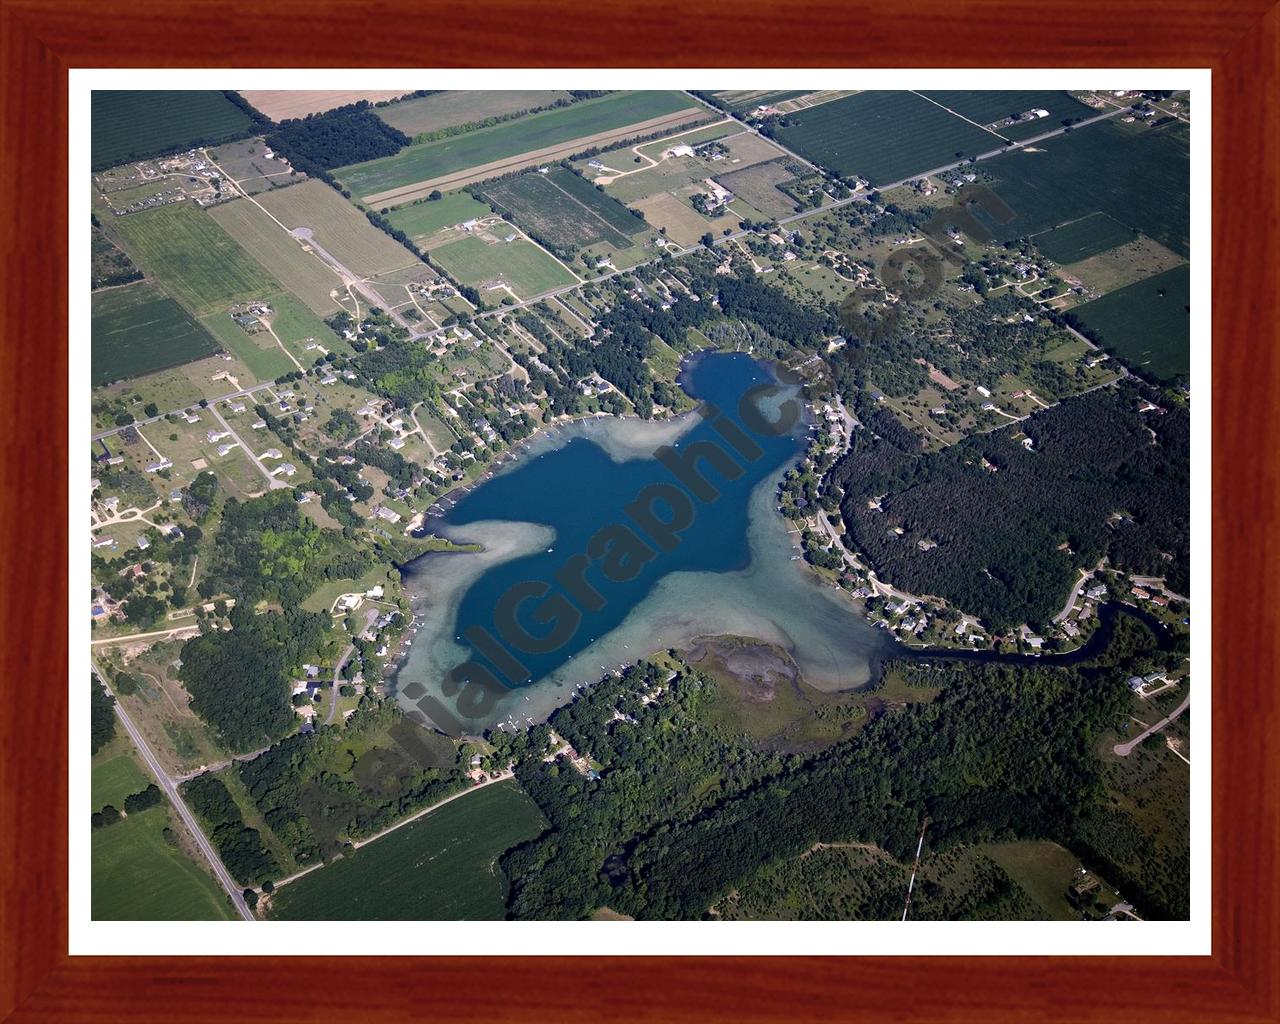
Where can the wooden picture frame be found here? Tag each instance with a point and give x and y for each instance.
(42, 39)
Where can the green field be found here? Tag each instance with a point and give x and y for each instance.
(442, 867)
(259, 351)
(421, 220)
(138, 876)
(1043, 870)
(421, 163)
(883, 136)
(134, 124)
(138, 329)
(342, 230)
(302, 273)
(1083, 238)
(1146, 324)
(114, 779)
(743, 101)
(565, 210)
(987, 106)
(448, 109)
(200, 264)
(1139, 176)
(525, 268)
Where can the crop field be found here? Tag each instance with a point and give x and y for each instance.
(200, 264)
(1083, 238)
(1140, 176)
(303, 273)
(1147, 324)
(989, 107)
(519, 265)
(137, 876)
(566, 210)
(1122, 265)
(883, 136)
(284, 104)
(442, 867)
(420, 221)
(342, 230)
(758, 186)
(506, 147)
(138, 329)
(743, 101)
(133, 124)
(448, 109)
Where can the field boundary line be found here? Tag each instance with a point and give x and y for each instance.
(957, 114)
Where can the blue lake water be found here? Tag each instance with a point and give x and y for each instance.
(606, 540)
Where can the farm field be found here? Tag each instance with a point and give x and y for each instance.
(133, 124)
(883, 136)
(449, 109)
(342, 230)
(259, 351)
(442, 867)
(758, 186)
(565, 210)
(304, 274)
(1082, 238)
(684, 225)
(420, 221)
(202, 266)
(1140, 176)
(284, 104)
(1147, 324)
(1122, 265)
(743, 101)
(138, 876)
(493, 151)
(520, 265)
(137, 330)
(988, 107)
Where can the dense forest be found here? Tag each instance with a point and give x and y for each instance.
(1012, 523)
(682, 814)
(320, 790)
(335, 138)
(102, 715)
(240, 847)
(268, 550)
(239, 680)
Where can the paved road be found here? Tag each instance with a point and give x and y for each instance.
(273, 483)
(1125, 749)
(175, 798)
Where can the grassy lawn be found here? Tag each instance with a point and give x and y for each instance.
(116, 778)
(322, 599)
(1043, 870)
(521, 265)
(138, 876)
(421, 220)
(442, 867)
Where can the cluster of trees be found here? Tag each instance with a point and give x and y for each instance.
(135, 802)
(345, 135)
(199, 495)
(268, 550)
(1097, 481)
(239, 680)
(240, 847)
(102, 715)
(317, 794)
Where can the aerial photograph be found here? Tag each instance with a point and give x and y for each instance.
(613, 505)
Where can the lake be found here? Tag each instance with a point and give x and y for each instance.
(610, 539)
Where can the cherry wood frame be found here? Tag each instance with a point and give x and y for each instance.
(41, 39)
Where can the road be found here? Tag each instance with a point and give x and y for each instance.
(273, 483)
(1125, 749)
(157, 634)
(175, 798)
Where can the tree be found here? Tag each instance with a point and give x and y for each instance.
(102, 715)
(151, 409)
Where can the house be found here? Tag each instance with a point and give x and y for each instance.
(104, 542)
(388, 514)
(681, 150)
(396, 442)
(983, 391)
(143, 543)
(285, 469)
(155, 467)
(260, 424)
(115, 460)
(223, 449)
(374, 592)
(271, 453)
(214, 436)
